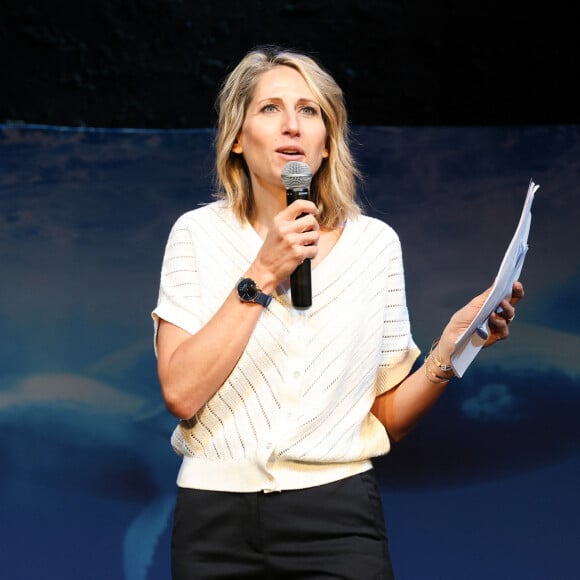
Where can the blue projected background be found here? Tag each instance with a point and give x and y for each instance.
(486, 487)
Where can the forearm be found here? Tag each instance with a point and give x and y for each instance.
(193, 367)
(401, 408)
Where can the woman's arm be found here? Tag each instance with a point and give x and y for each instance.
(192, 368)
(401, 408)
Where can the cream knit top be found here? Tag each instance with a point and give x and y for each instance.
(295, 411)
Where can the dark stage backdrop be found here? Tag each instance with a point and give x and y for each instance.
(486, 487)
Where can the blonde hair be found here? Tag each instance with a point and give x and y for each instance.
(334, 184)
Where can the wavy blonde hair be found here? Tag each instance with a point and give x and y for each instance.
(334, 184)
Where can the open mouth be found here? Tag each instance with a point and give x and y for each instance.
(291, 152)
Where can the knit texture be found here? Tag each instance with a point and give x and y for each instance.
(295, 411)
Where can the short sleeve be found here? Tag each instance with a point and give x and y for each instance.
(179, 289)
(399, 351)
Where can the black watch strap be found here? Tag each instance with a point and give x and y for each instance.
(248, 291)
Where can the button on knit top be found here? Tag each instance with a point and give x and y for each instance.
(295, 410)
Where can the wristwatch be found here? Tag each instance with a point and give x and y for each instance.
(248, 291)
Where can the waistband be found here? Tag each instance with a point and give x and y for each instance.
(247, 476)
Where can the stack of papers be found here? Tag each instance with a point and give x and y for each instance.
(471, 341)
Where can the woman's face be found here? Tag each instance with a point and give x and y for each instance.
(283, 123)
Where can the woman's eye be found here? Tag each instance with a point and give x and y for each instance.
(309, 110)
(269, 108)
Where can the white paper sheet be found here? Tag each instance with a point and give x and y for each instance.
(470, 342)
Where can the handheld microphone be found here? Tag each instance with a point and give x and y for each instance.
(296, 177)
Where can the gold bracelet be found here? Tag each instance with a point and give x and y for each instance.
(442, 366)
(433, 375)
(435, 378)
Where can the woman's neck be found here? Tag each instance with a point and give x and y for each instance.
(267, 204)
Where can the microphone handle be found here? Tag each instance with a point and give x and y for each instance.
(300, 279)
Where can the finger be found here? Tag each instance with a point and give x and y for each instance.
(307, 223)
(498, 326)
(299, 207)
(307, 252)
(506, 310)
(517, 292)
(308, 239)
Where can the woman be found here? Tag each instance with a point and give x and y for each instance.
(281, 410)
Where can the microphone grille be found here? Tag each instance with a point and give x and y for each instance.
(296, 175)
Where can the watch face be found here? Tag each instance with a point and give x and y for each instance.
(247, 290)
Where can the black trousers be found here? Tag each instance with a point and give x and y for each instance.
(335, 531)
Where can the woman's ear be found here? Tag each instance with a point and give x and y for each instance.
(237, 146)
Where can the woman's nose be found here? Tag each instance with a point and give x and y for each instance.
(291, 123)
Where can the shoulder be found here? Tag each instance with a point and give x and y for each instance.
(213, 217)
(216, 210)
(371, 227)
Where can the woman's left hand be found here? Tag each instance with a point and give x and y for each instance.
(498, 322)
